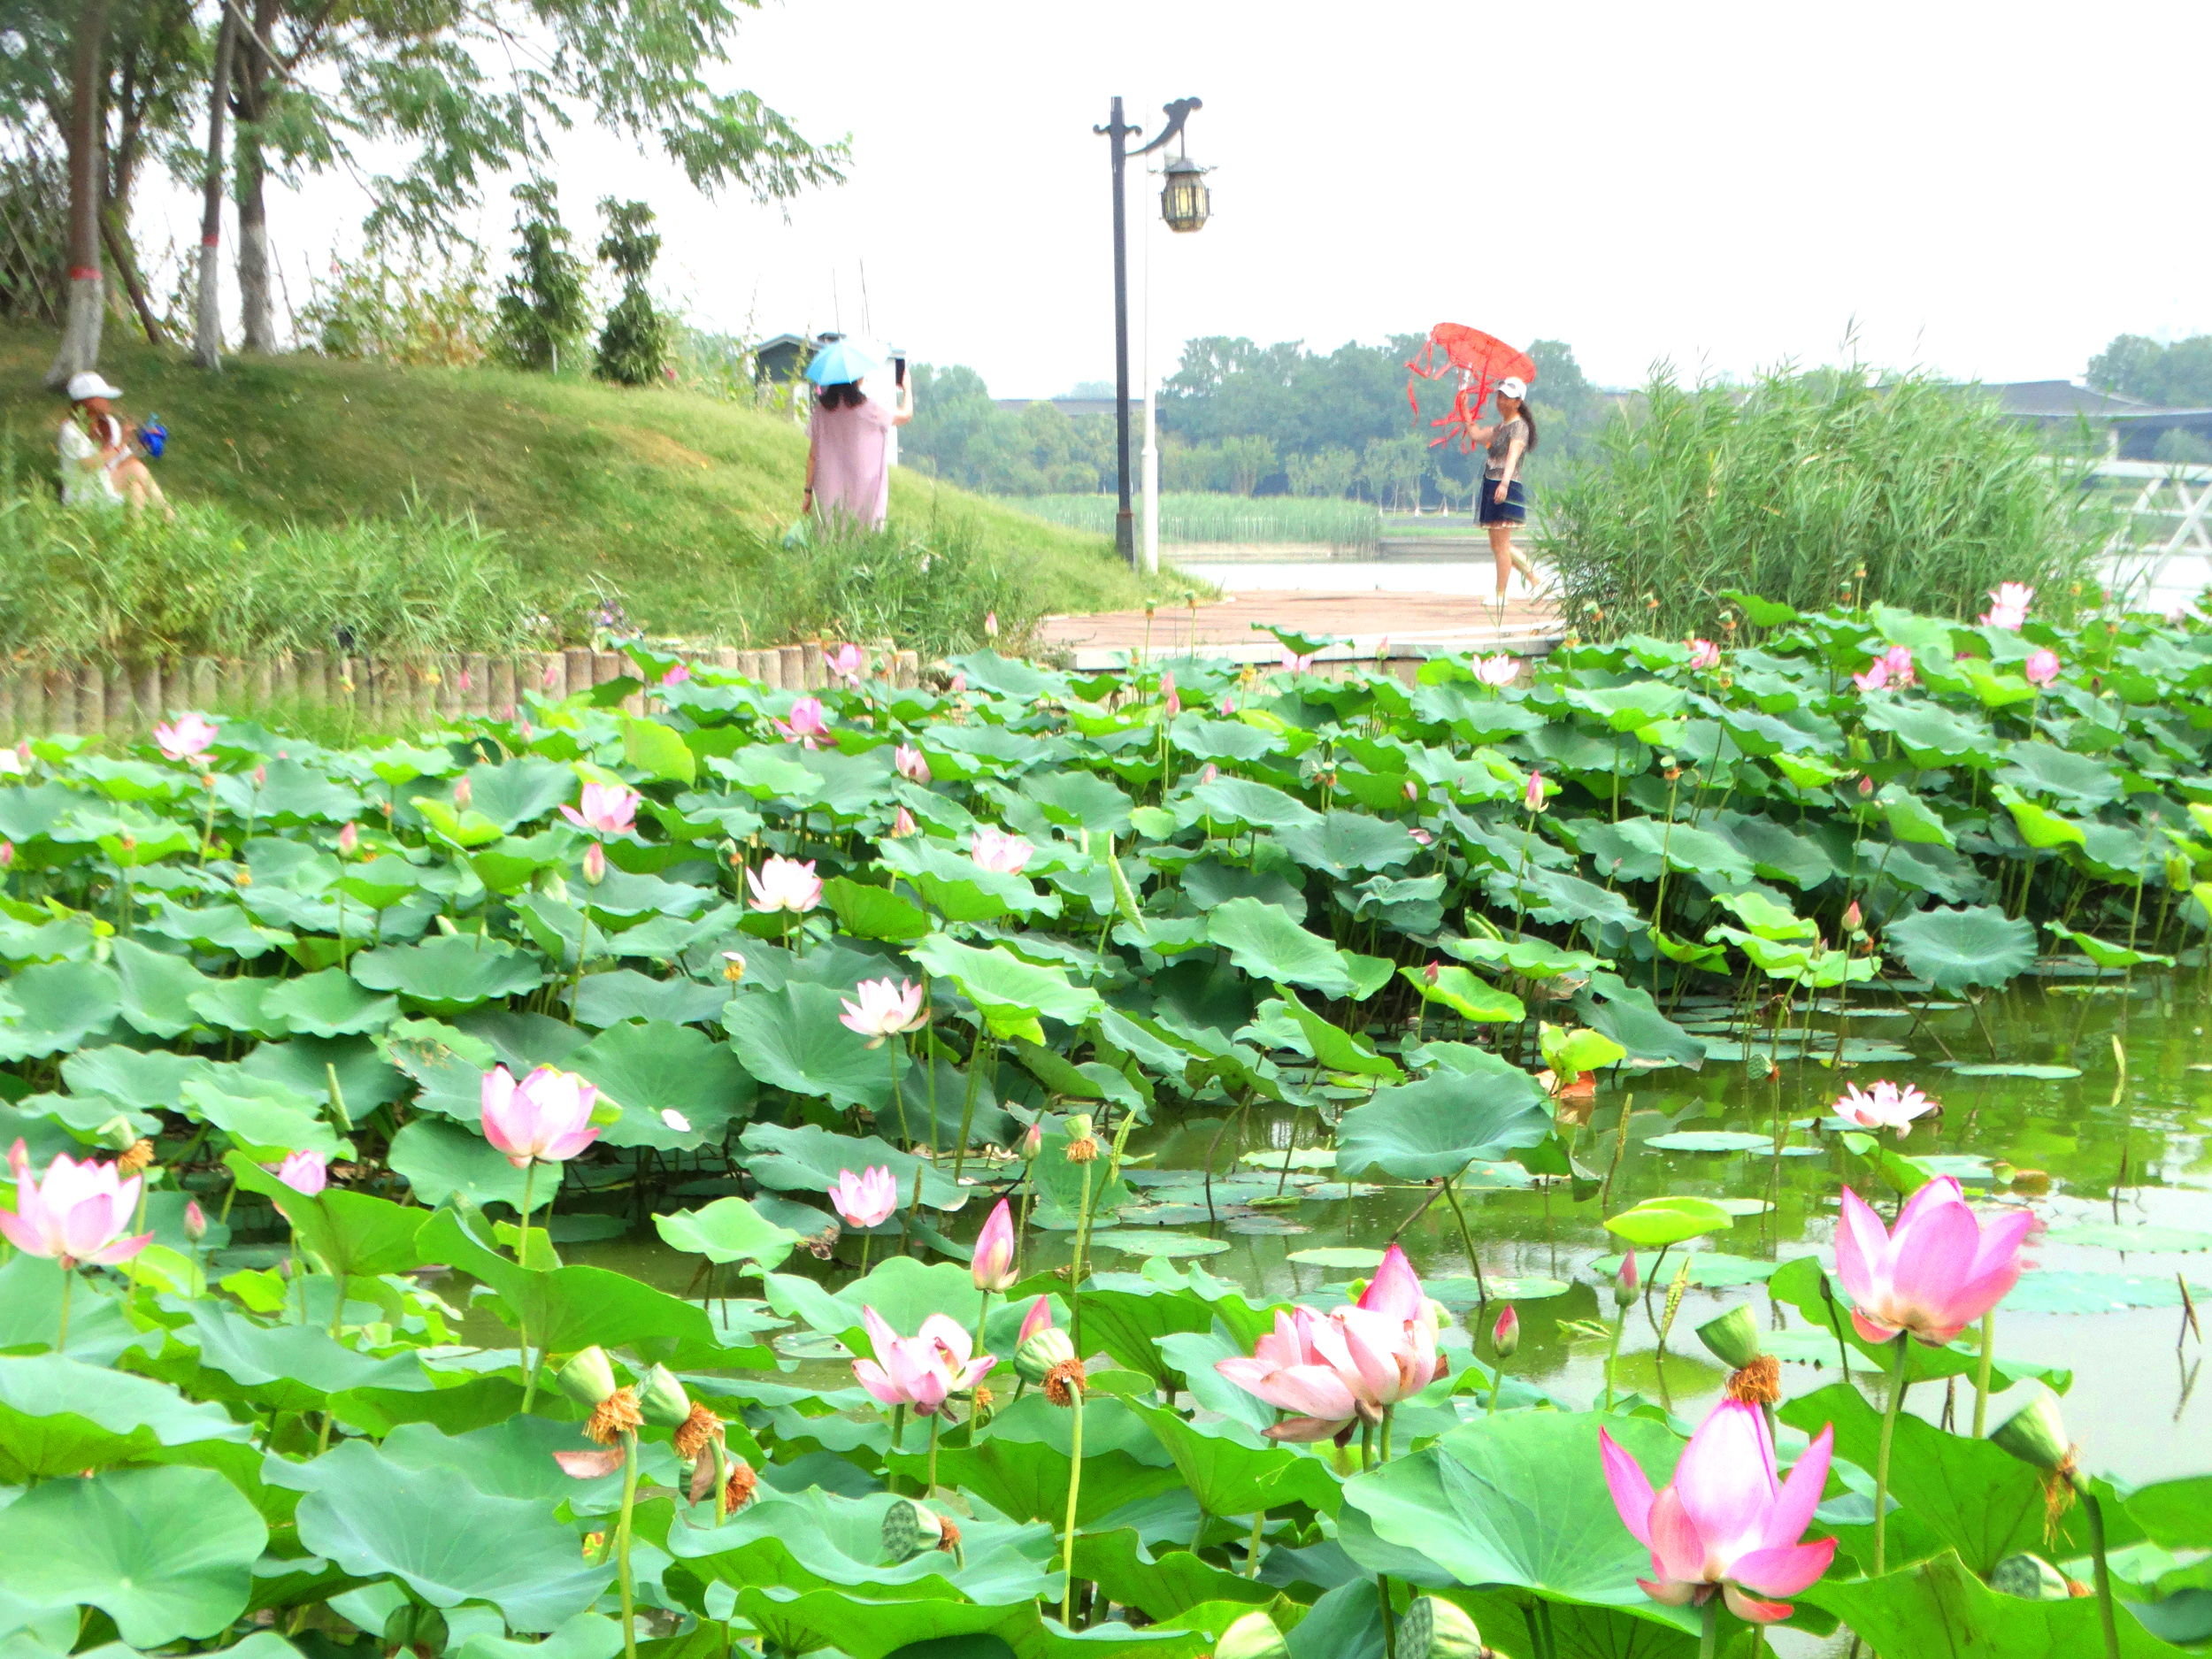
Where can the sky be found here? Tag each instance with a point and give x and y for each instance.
(1988, 192)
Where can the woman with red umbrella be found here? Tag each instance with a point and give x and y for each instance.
(1501, 502)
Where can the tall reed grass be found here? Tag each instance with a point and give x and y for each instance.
(1810, 488)
(1195, 517)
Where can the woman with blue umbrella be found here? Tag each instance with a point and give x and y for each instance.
(847, 438)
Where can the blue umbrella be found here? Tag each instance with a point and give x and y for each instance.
(840, 361)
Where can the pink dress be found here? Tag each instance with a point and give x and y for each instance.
(852, 468)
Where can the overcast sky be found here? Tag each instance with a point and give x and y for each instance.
(1991, 191)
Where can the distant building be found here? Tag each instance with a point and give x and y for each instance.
(782, 357)
(2133, 427)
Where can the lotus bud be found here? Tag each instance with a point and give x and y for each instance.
(595, 863)
(1436, 1629)
(1732, 1339)
(1032, 1141)
(1866, 785)
(464, 792)
(348, 839)
(661, 1401)
(990, 625)
(1624, 1282)
(7, 852)
(2036, 1434)
(1254, 1637)
(1041, 1351)
(1505, 1336)
(116, 1134)
(417, 1629)
(261, 777)
(909, 1528)
(1853, 922)
(588, 1379)
(194, 1221)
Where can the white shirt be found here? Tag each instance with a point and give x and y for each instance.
(82, 486)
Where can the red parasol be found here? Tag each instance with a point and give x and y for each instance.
(1480, 361)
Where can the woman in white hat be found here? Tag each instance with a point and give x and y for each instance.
(98, 467)
(1501, 502)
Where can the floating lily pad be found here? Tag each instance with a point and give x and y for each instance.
(1339, 1255)
(1710, 1269)
(2061, 1290)
(1711, 1141)
(1133, 1242)
(2112, 1236)
(1262, 1226)
(2045, 1073)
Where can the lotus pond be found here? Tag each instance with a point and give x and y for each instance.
(1665, 1154)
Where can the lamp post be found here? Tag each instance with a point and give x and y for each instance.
(1185, 204)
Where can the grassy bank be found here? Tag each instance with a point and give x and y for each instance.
(1195, 519)
(662, 506)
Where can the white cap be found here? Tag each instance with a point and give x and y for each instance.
(89, 384)
(1512, 386)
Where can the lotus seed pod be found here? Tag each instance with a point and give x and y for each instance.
(116, 1134)
(2031, 1578)
(1733, 1338)
(1041, 1352)
(2036, 1434)
(662, 1399)
(1436, 1629)
(909, 1528)
(1079, 1126)
(1254, 1637)
(588, 1379)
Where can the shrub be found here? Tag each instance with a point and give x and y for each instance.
(417, 314)
(1808, 488)
(633, 343)
(542, 307)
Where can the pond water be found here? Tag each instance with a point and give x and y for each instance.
(2125, 1159)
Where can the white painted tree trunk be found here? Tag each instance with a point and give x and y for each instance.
(207, 332)
(80, 329)
(257, 316)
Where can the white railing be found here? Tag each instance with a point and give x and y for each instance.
(2159, 556)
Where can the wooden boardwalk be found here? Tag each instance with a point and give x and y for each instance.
(1416, 625)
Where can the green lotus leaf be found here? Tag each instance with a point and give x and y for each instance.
(957, 887)
(608, 999)
(1658, 1222)
(1232, 1470)
(658, 752)
(586, 1636)
(442, 1164)
(1268, 945)
(1235, 803)
(380, 883)
(1930, 734)
(449, 974)
(30, 1311)
(1078, 800)
(727, 1230)
(1777, 853)
(1344, 844)
(2080, 781)
(328, 1005)
(165, 1552)
(519, 791)
(1472, 998)
(873, 912)
(1441, 1123)
(153, 1078)
(1019, 1464)
(156, 985)
(1144, 1241)
(1911, 819)
(2104, 954)
(1710, 1269)
(265, 1118)
(1335, 1049)
(353, 1234)
(448, 1541)
(1227, 742)
(808, 1159)
(55, 1007)
(1631, 707)
(1011, 993)
(1954, 950)
(1519, 1501)
(655, 1069)
(2041, 828)
(62, 1417)
(462, 830)
(2125, 1236)
(792, 1039)
(1938, 1609)
(1711, 1141)
(1164, 1583)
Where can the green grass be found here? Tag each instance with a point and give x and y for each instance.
(671, 504)
(1194, 518)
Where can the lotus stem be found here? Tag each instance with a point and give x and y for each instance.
(522, 1258)
(2096, 1512)
(1497, 1387)
(1981, 1372)
(1252, 1552)
(61, 1337)
(865, 1239)
(967, 1109)
(1387, 1413)
(1708, 1626)
(1075, 1484)
(1881, 1457)
(1620, 1323)
(721, 1477)
(1382, 1581)
(583, 938)
(622, 1544)
(898, 1102)
(1075, 1269)
(929, 1476)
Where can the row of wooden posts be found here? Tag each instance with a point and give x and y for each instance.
(127, 699)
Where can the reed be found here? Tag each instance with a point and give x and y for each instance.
(1812, 488)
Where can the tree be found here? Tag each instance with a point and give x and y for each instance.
(633, 343)
(544, 306)
(87, 290)
(1328, 472)
(2177, 376)
(1396, 465)
(1249, 459)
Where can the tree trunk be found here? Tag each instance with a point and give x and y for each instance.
(207, 335)
(127, 267)
(81, 331)
(257, 318)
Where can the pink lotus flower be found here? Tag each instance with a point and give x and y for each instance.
(1424, 837)
(992, 1268)
(306, 1172)
(1885, 1105)
(1496, 670)
(2042, 668)
(1395, 1291)
(349, 840)
(993, 849)
(1208, 772)
(1898, 660)
(1228, 707)
(806, 725)
(959, 684)
(785, 884)
(76, 1214)
(2008, 603)
(1704, 655)
(909, 764)
(464, 794)
(990, 625)
(1875, 679)
(1169, 700)
(1724, 1523)
(921, 1370)
(866, 1199)
(194, 1221)
(848, 662)
(7, 852)
(546, 1118)
(1037, 1318)
(1295, 661)
(1348, 1366)
(903, 825)
(1533, 798)
(677, 674)
(1505, 1336)
(1940, 1271)
(188, 738)
(884, 1009)
(608, 809)
(595, 863)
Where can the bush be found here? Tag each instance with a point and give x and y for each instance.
(417, 314)
(542, 307)
(634, 342)
(1808, 489)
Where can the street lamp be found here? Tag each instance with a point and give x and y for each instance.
(1186, 178)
